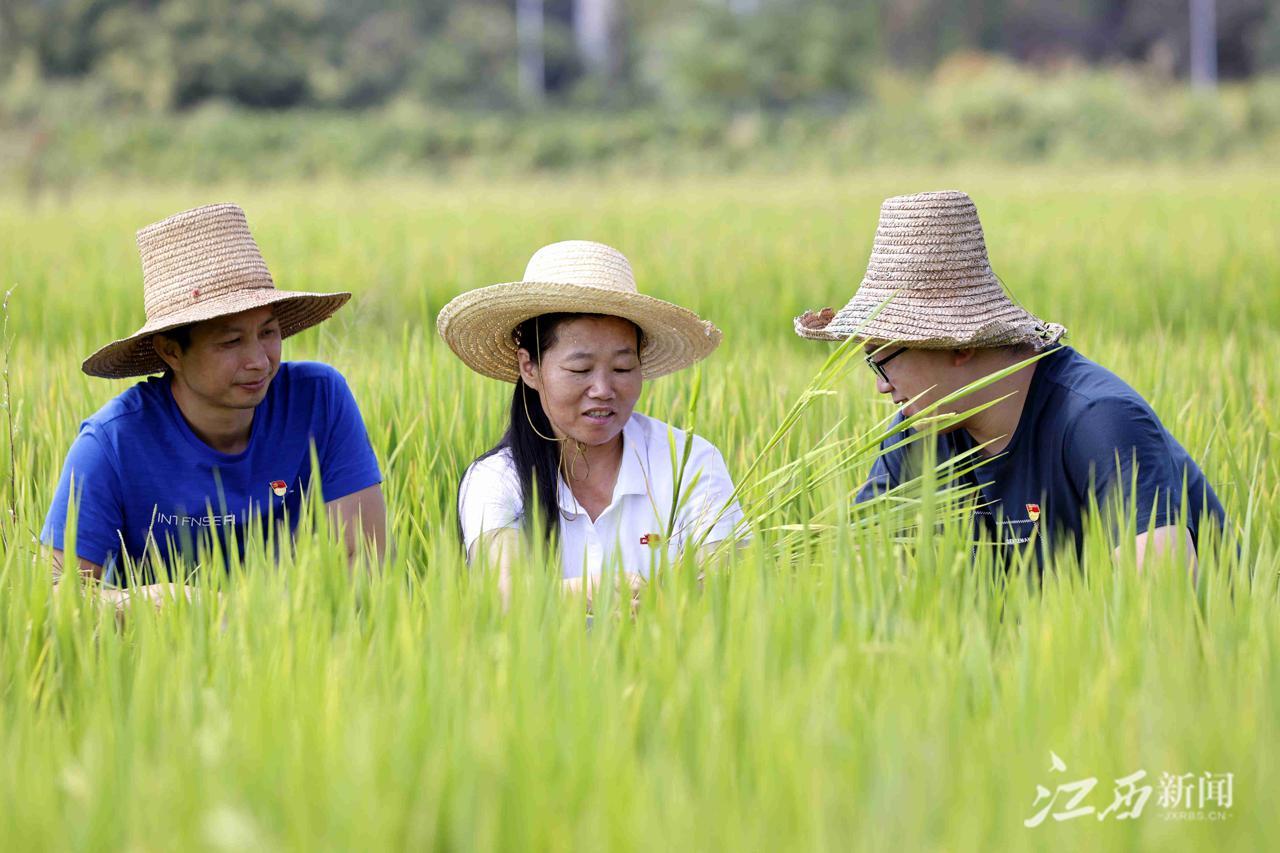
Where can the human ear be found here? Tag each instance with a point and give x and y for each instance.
(168, 350)
(528, 369)
(962, 356)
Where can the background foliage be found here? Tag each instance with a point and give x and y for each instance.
(174, 54)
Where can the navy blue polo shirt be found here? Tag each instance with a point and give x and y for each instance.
(143, 478)
(1083, 433)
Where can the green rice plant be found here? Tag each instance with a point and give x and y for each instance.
(855, 676)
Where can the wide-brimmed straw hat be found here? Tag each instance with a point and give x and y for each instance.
(200, 265)
(575, 276)
(930, 272)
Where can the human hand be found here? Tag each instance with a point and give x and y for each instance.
(156, 594)
(592, 583)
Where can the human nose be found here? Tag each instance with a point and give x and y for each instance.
(601, 388)
(258, 358)
(883, 386)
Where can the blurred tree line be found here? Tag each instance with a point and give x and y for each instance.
(163, 55)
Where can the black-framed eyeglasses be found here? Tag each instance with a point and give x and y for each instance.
(877, 367)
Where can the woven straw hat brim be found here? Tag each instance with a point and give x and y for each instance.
(477, 325)
(135, 356)
(934, 322)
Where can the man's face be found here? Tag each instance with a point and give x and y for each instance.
(927, 374)
(231, 360)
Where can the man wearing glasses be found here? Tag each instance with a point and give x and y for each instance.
(1058, 435)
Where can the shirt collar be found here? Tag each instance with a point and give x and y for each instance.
(631, 474)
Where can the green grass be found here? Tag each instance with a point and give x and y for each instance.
(833, 690)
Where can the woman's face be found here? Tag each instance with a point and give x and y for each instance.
(589, 379)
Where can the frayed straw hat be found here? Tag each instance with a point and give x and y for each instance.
(929, 270)
(199, 265)
(575, 276)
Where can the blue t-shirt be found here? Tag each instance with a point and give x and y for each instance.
(141, 474)
(1081, 432)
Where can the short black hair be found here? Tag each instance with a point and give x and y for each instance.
(180, 336)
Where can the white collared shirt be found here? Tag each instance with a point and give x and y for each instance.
(633, 526)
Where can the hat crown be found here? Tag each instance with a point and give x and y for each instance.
(581, 262)
(929, 241)
(197, 255)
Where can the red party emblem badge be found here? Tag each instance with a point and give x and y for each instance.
(1033, 512)
(279, 487)
(650, 539)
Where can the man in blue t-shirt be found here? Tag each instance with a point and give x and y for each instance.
(221, 443)
(1057, 435)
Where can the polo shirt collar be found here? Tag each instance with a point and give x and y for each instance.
(631, 474)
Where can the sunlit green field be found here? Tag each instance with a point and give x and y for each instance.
(833, 688)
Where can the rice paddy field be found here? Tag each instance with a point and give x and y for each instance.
(833, 686)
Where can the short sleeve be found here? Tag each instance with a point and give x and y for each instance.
(1116, 451)
(347, 461)
(98, 498)
(489, 498)
(702, 509)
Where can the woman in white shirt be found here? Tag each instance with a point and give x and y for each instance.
(578, 340)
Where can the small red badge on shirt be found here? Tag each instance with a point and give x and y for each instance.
(279, 487)
(1033, 512)
(651, 539)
